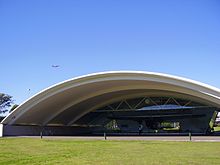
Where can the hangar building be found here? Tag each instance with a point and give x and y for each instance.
(117, 103)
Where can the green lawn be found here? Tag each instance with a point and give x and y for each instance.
(70, 151)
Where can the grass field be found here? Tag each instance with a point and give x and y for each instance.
(69, 151)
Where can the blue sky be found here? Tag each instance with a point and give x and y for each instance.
(82, 36)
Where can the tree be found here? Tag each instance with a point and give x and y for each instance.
(5, 102)
(13, 107)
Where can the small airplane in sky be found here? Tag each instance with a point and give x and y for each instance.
(55, 66)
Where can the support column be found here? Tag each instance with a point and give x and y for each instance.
(1, 130)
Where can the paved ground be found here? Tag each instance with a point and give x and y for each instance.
(157, 138)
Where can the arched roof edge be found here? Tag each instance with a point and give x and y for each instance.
(100, 74)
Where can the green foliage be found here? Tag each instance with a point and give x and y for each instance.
(69, 151)
(112, 125)
(167, 124)
(5, 102)
(1, 118)
(13, 107)
(217, 128)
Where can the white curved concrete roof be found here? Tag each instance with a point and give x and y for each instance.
(67, 101)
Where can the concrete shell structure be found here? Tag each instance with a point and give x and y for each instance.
(61, 105)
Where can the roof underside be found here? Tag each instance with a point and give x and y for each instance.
(66, 102)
